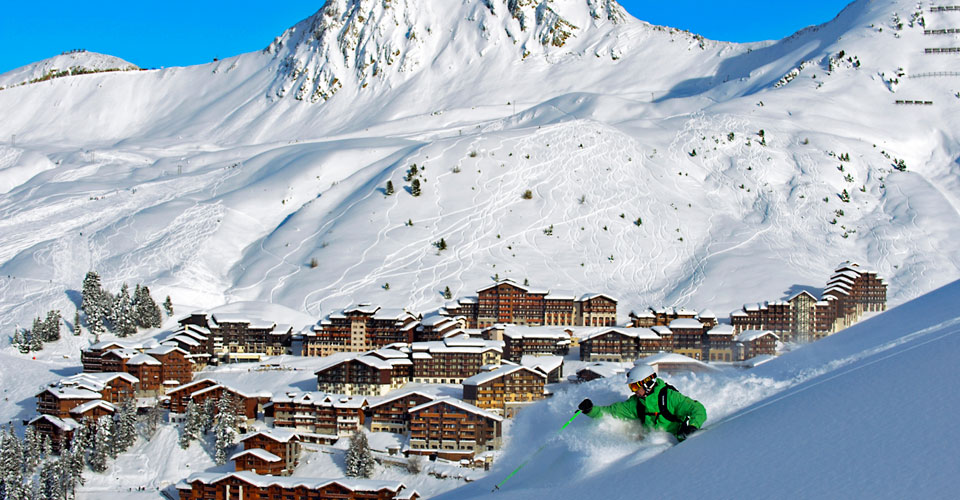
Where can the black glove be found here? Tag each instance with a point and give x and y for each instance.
(685, 431)
(585, 406)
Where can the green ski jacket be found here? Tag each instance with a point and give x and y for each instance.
(681, 406)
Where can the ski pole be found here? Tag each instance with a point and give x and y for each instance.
(544, 445)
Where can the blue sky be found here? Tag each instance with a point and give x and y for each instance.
(179, 33)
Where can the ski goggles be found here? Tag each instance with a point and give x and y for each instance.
(646, 383)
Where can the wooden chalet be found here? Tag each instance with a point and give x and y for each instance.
(247, 485)
(537, 341)
(620, 344)
(272, 451)
(453, 359)
(598, 370)
(59, 431)
(179, 397)
(504, 390)
(391, 414)
(348, 373)
(58, 401)
(751, 343)
(670, 363)
(176, 365)
(315, 416)
(452, 429)
(551, 366)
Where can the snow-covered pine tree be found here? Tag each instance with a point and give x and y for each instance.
(35, 341)
(51, 326)
(38, 330)
(208, 415)
(147, 311)
(50, 480)
(192, 426)
(94, 303)
(74, 463)
(447, 294)
(11, 462)
(102, 444)
(168, 306)
(126, 425)
(150, 424)
(123, 319)
(31, 449)
(76, 322)
(225, 429)
(359, 460)
(20, 341)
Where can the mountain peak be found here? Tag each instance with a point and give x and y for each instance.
(361, 42)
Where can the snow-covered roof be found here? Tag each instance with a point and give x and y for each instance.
(721, 329)
(291, 482)
(662, 330)
(362, 309)
(545, 363)
(163, 350)
(646, 313)
(65, 424)
(686, 324)
(277, 434)
(193, 384)
(459, 404)
(707, 314)
(673, 358)
(589, 296)
(484, 377)
(535, 332)
(605, 370)
(748, 335)
(71, 393)
(122, 353)
(252, 322)
(89, 405)
(181, 338)
(394, 397)
(143, 359)
(392, 313)
(261, 454)
(100, 379)
(561, 295)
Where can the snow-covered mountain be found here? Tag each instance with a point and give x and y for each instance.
(664, 169)
(75, 62)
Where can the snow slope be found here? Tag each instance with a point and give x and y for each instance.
(220, 182)
(74, 63)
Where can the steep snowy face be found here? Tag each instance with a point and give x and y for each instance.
(364, 42)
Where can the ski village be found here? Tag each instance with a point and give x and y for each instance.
(405, 389)
(514, 249)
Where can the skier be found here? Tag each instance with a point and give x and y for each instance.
(655, 403)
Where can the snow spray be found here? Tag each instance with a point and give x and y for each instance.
(544, 445)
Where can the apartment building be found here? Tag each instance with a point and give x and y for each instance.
(247, 485)
(360, 328)
(391, 414)
(273, 452)
(506, 389)
(453, 430)
(316, 416)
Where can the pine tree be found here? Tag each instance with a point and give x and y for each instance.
(359, 460)
(51, 326)
(447, 294)
(76, 322)
(123, 319)
(35, 342)
(38, 329)
(94, 303)
(209, 415)
(415, 187)
(191, 426)
(102, 440)
(126, 425)
(154, 417)
(20, 341)
(389, 190)
(225, 429)
(50, 480)
(146, 310)
(31, 449)
(168, 306)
